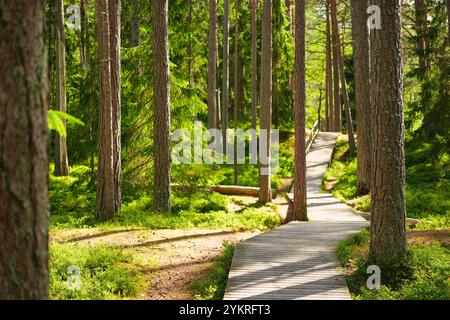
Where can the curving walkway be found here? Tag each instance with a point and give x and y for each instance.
(298, 260)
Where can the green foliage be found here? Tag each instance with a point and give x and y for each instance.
(427, 183)
(56, 121)
(424, 275)
(213, 286)
(105, 272)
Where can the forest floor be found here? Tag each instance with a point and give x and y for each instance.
(172, 260)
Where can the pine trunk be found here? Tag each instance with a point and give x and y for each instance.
(388, 234)
(254, 62)
(161, 87)
(115, 39)
(236, 88)
(61, 158)
(266, 99)
(335, 43)
(24, 210)
(226, 74)
(300, 207)
(212, 66)
(329, 73)
(106, 200)
(362, 94)
(135, 25)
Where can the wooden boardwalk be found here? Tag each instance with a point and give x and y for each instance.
(298, 260)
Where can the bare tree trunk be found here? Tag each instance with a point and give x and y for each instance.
(388, 234)
(335, 41)
(329, 74)
(106, 200)
(421, 30)
(266, 99)
(24, 208)
(254, 62)
(84, 9)
(236, 87)
(61, 158)
(362, 93)
(346, 103)
(115, 39)
(212, 66)
(135, 25)
(161, 85)
(299, 212)
(226, 73)
(189, 49)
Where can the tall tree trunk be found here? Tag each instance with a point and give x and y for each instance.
(84, 11)
(335, 42)
(24, 208)
(189, 49)
(106, 199)
(362, 93)
(226, 73)
(61, 158)
(161, 89)
(421, 31)
(212, 66)
(329, 74)
(115, 38)
(135, 24)
(346, 103)
(236, 88)
(300, 208)
(388, 234)
(254, 62)
(266, 99)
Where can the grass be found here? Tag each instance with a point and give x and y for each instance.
(213, 286)
(423, 275)
(104, 273)
(427, 184)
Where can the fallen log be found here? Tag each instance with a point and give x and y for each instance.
(226, 190)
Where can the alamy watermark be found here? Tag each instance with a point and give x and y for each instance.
(206, 147)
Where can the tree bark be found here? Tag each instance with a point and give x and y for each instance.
(388, 234)
(254, 62)
(299, 212)
(106, 199)
(236, 88)
(24, 208)
(212, 66)
(135, 25)
(362, 94)
(189, 49)
(115, 38)
(329, 73)
(61, 158)
(226, 74)
(161, 85)
(335, 42)
(421, 31)
(266, 99)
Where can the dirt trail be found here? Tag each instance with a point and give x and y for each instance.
(177, 257)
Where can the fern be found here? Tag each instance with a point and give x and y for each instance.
(56, 121)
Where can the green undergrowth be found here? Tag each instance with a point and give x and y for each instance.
(72, 202)
(104, 273)
(212, 287)
(427, 184)
(424, 274)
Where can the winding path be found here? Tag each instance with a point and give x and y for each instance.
(298, 260)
